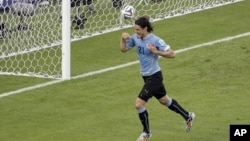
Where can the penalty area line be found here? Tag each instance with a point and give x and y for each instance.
(118, 66)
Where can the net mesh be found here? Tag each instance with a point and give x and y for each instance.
(30, 30)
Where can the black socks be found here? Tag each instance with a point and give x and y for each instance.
(144, 121)
(174, 106)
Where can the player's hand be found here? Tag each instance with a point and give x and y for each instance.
(125, 36)
(152, 48)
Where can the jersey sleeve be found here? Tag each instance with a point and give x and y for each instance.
(162, 45)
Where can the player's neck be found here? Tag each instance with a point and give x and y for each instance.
(145, 35)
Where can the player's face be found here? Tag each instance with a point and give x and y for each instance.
(141, 32)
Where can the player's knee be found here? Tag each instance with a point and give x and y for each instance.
(138, 106)
(164, 100)
(139, 103)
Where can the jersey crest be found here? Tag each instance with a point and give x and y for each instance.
(162, 43)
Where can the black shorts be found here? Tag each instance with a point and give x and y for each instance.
(153, 87)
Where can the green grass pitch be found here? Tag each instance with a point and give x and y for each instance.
(212, 81)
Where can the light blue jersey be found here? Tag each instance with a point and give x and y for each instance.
(148, 61)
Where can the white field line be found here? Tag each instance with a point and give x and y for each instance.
(118, 67)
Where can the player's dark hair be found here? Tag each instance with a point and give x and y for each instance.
(144, 22)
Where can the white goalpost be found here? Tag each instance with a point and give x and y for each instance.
(66, 40)
(35, 35)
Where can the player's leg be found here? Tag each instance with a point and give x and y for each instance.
(151, 87)
(173, 105)
(140, 105)
(143, 114)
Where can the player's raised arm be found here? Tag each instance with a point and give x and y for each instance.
(123, 45)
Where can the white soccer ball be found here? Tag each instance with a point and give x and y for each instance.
(128, 11)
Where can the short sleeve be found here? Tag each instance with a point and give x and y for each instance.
(162, 45)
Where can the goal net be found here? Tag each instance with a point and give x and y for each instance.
(31, 30)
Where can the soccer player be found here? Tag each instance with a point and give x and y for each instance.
(149, 47)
